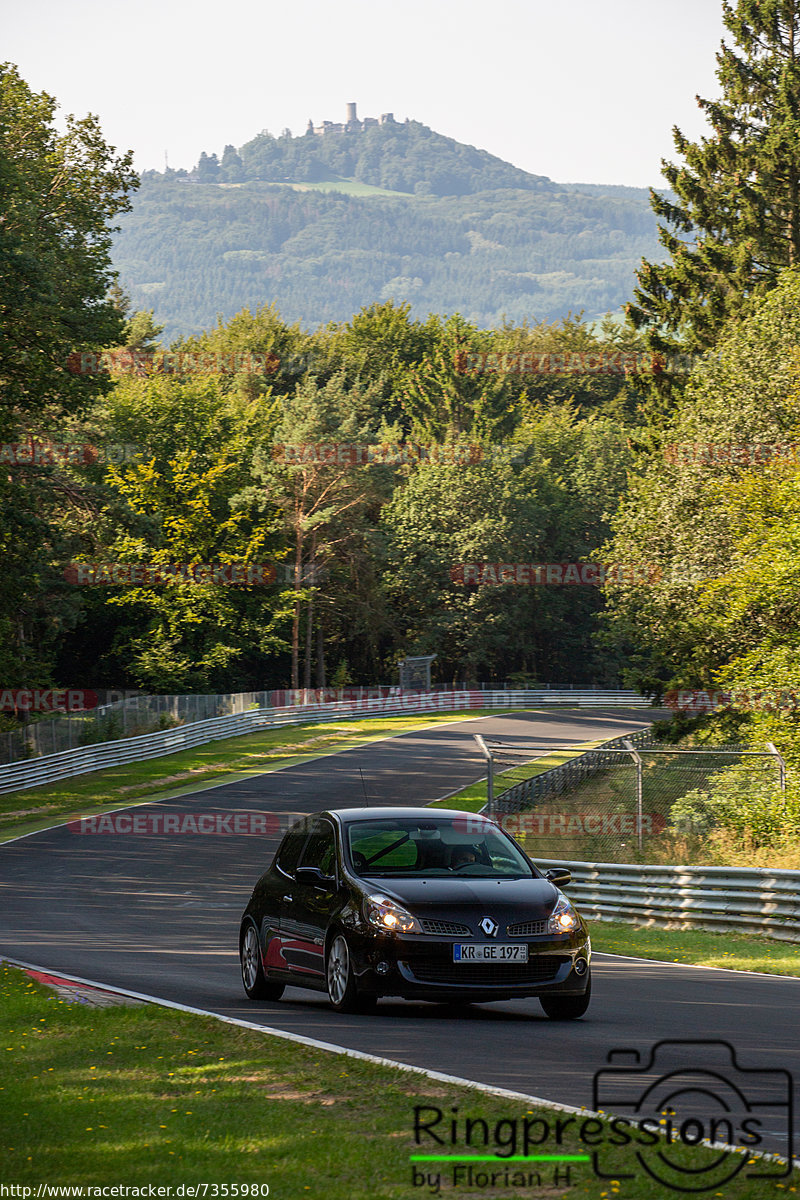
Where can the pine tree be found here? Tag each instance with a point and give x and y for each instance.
(736, 221)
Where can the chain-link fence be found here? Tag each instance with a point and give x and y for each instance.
(136, 714)
(128, 717)
(634, 802)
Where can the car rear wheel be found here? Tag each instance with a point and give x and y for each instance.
(567, 1008)
(342, 988)
(253, 979)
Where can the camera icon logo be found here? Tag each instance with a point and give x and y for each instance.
(688, 1093)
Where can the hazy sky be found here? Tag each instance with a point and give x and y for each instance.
(582, 91)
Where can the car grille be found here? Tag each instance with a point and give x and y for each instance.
(537, 970)
(527, 929)
(446, 927)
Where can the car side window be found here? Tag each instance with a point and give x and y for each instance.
(288, 854)
(320, 849)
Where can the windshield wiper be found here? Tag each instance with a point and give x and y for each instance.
(388, 849)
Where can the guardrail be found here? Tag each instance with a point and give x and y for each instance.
(584, 698)
(52, 767)
(750, 900)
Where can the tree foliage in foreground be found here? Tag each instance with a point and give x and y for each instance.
(712, 506)
(735, 221)
(59, 192)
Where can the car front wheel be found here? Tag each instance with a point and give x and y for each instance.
(253, 979)
(342, 988)
(567, 1008)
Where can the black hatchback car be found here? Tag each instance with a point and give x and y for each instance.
(428, 904)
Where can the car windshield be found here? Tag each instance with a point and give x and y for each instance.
(459, 847)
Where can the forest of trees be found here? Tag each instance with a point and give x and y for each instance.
(205, 484)
(689, 475)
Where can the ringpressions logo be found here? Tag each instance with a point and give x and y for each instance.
(533, 1151)
(650, 1111)
(689, 1092)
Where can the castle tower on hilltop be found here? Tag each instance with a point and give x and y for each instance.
(352, 124)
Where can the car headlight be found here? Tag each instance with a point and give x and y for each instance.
(385, 914)
(563, 918)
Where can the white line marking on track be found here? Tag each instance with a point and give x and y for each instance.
(694, 966)
(302, 1040)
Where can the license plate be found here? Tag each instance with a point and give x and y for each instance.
(490, 952)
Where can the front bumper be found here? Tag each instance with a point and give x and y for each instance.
(422, 967)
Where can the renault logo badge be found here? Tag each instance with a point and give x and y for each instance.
(489, 927)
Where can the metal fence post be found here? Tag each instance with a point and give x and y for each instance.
(637, 758)
(781, 765)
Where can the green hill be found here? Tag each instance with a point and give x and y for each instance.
(407, 157)
(324, 224)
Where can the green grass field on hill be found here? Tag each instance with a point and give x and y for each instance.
(349, 187)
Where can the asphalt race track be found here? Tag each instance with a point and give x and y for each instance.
(159, 914)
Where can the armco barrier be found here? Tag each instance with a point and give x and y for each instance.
(584, 698)
(750, 900)
(80, 761)
(51, 767)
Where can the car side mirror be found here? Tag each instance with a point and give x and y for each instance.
(315, 878)
(559, 876)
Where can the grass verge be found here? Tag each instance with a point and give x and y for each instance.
(697, 947)
(217, 762)
(148, 1096)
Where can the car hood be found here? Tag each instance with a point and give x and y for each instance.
(465, 898)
